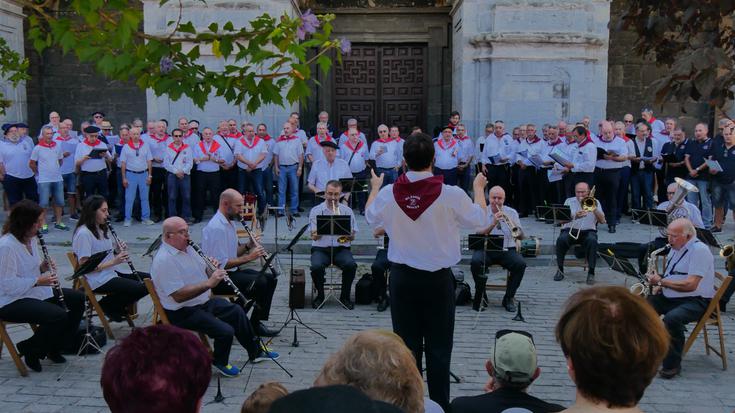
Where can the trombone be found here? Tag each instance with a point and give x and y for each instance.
(589, 204)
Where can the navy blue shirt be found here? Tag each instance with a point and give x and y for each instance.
(697, 153)
(726, 158)
(678, 151)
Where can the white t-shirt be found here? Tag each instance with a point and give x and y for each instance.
(173, 270)
(136, 160)
(67, 145)
(251, 150)
(47, 161)
(84, 245)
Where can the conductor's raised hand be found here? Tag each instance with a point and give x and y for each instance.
(376, 182)
(479, 183)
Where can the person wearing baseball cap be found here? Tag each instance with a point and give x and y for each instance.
(512, 368)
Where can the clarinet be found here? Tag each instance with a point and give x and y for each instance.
(117, 241)
(212, 267)
(257, 244)
(58, 292)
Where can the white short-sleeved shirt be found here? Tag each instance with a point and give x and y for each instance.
(251, 150)
(330, 240)
(92, 165)
(392, 155)
(184, 161)
(315, 149)
(446, 155)
(432, 241)
(323, 172)
(136, 157)
(617, 145)
(172, 270)
(228, 152)
(213, 149)
(67, 145)
(693, 213)
(15, 157)
(47, 161)
(19, 270)
(694, 258)
(344, 138)
(219, 239)
(288, 150)
(157, 146)
(467, 148)
(504, 229)
(356, 162)
(85, 244)
(270, 143)
(587, 222)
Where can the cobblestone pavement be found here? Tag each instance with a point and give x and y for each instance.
(703, 387)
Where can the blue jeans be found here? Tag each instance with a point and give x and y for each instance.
(70, 183)
(137, 182)
(179, 188)
(267, 180)
(287, 177)
(641, 184)
(703, 195)
(47, 189)
(389, 175)
(252, 181)
(723, 194)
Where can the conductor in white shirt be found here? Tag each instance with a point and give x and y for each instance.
(422, 216)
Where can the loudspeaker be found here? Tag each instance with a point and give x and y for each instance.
(297, 289)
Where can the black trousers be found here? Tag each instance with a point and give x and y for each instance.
(678, 312)
(510, 260)
(568, 183)
(263, 287)
(587, 239)
(379, 269)
(94, 182)
(17, 188)
(607, 182)
(661, 180)
(577, 177)
(220, 320)
(556, 192)
(422, 311)
(500, 175)
(645, 249)
(157, 194)
(205, 183)
(513, 197)
(358, 199)
(123, 290)
(531, 183)
(450, 175)
(55, 326)
(322, 257)
(228, 178)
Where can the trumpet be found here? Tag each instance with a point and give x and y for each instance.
(728, 253)
(58, 292)
(515, 231)
(589, 204)
(118, 244)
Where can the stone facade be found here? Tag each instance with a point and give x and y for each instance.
(11, 30)
(529, 61)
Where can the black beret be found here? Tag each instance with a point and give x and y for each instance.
(91, 129)
(328, 144)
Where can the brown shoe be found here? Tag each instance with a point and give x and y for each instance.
(669, 374)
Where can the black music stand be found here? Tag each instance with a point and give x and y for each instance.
(154, 246)
(480, 242)
(650, 217)
(333, 225)
(708, 238)
(619, 264)
(556, 215)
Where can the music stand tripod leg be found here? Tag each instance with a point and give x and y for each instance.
(88, 340)
(262, 346)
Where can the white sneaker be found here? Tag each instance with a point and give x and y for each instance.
(148, 222)
(126, 223)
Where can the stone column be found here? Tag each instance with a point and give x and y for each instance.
(11, 29)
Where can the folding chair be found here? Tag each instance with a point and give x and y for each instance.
(159, 314)
(712, 317)
(5, 339)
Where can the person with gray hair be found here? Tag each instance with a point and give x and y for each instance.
(351, 124)
(683, 292)
(45, 161)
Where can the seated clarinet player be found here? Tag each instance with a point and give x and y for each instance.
(503, 221)
(219, 240)
(184, 283)
(581, 230)
(27, 292)
(332, 249)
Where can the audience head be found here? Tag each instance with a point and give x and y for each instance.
(160, 368)
(262, 398)
(331, 399)
(24, 221)
(418, 151)
(614, 343)
(378, 363)
(514, 362)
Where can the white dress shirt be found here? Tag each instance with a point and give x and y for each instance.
(641, 145)
(67, 145)
(173, 270)
(584, 157)
(315, 149)
(323, 172)
(270, 144)
(392, 155)
(92, 165)
(432, 242)
(214, 149)
(84, 245)
(694, 258)
(219, 239)
(693, 213)
(288, 150)
(15, 157)
(554, 174)
(499, 145)
(587, 222)
(228, 148)
(47, 162)
(19, 270)
(330, 240)
(530, 148)
(136, 160)
(446, 155)
(631, 151)
(467, 148)
(617, 145)
(184, 161)
(357, 162)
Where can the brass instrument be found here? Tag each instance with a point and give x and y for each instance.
(589, 204)
(342, 239)
(515, 231)
(644, 288)
(58, 292)
(676, 208)
(118, 247)
(728, 253)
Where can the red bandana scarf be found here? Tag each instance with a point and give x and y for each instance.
(441, 144)
(90, 143)
(416, 197)
(212, 148)
(248, 145)
(286, 138)
(130, 143)
(353, 149)
(181, 148)
(50, 145)
(318, 141)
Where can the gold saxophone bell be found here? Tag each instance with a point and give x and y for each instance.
(639, 289)
(728, 253)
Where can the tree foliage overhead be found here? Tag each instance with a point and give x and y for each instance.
(693, 39)
(261, 59)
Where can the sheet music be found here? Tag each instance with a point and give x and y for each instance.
(713, 165)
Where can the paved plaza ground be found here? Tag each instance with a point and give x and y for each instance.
(703, 386)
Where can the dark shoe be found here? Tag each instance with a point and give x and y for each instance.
(611, 229)
(723, 306)
(347, 303)
(716, 229)
(299, 209)
(33, 362)
(263, 331)
(590, 279)
(509, 304)
(114, 316)
(296, 215)
(669, 374)
(559, 275)
(383, 304)
(56, 358)
(318, 300)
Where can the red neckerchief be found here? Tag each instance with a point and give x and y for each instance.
(624, 138)
(189, 133)
(318, 142)
(61, 138)
(353, 149)
(212, 148)
(585, 141)
(266, 137)
(47, 145)
(563, 135)
(558, 141)
(130, 144)
(440, 142)
(286, 138)
(650, 122)
(90, 143)
(665, 132)
(534, 140)
(384, 140)
(236, 135)
(163, 138)
(183, 146)
(462, 138)
(452, 126)
(416, 197)
(569, 142)
(244, 141)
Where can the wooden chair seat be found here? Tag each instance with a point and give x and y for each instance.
(712, 317)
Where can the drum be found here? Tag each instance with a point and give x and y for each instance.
(530, 247)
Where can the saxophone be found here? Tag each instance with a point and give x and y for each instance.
(644, 288)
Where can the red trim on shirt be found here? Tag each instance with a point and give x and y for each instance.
(286, 138)
(349, 145)
(316, 138)
(585, 141)
(181, 148)
(130, 143)
(250, 146)
(236, 135)
(51, 144)
(212, 148)
(90, 143)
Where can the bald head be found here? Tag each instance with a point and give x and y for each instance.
(228, 195)
(173, 224)
(497, 197)
(231, 203)
(680, 231)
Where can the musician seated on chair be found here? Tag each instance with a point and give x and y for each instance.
(328, 168)
(328, 249)
(379, 270)
(183, 284)
(112, 276)
(509, 258)
(26, 295)
(683, 292)
(584, 224)
(219, 240)
(682, 209)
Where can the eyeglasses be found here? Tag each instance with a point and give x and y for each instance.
(670, 193)
(628, 121)
(177, 136)
(97, 117)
